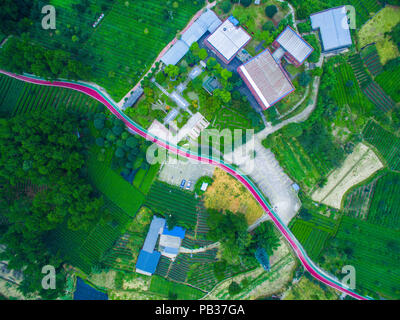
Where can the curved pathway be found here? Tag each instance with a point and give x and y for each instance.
(95, 93)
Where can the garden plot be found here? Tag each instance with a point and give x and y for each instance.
(357, 167)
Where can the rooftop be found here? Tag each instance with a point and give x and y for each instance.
(333, 27)
(156, 227)
(228, 39)
(294, 44)
(266, 79)
(208, 21)
(175, 53)
(147, 262)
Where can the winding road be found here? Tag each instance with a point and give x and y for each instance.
(97, 94)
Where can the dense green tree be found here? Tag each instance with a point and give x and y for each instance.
(42, 150)
(234, 288)
(225, 6)
(270, 11)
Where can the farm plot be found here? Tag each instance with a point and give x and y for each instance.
(358, 166)
(18, 97)
(165, 199)
(123, 255)
(358, 201)
(389, 80)
(164, 287)
(111, 184)
(387, 144)
(347, 91)
(373, 251)
(378, 97)
(385, 209)
(125, 43)
(228, 118)
(360, 73)
(85, 248)
(365, 9)
(304, 169)
(371, 59)
(313, 239)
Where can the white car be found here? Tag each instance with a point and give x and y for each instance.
(188, 185)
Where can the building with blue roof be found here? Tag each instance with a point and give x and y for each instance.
(147, 262)
(148, 257)
(207, 22)
(333, 28)
(170, 242)
(156, 228)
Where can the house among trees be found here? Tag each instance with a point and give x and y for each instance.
(293, 47)
(228, 39)
(333, 28)
(207, 22)
(266, 79)
(170, 242)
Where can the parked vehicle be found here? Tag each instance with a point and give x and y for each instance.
(188, 185)
(183, 183)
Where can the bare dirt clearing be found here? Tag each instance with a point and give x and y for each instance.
(229, 194)
(357, 167)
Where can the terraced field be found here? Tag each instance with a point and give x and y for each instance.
(385, 142)
(370, 88)
(165, 199)
(385, 209)
(350, 95)
(18, 97)
(370, 57)
(112, 185)
(85, 248)
(373, 251)
(306, 169)
(314, 233)
(389, 80)
(124, 44)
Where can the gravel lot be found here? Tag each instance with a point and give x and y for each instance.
(188, 170)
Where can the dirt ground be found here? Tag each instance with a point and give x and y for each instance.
(227, 193)
(357, 167)
(9, 290)
(307, 290)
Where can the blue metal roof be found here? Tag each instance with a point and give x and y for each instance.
(175, 53)
(194, 33)
(234, 21)
(157, 224)
(333, 27)
(176, 232)
(148, 261)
